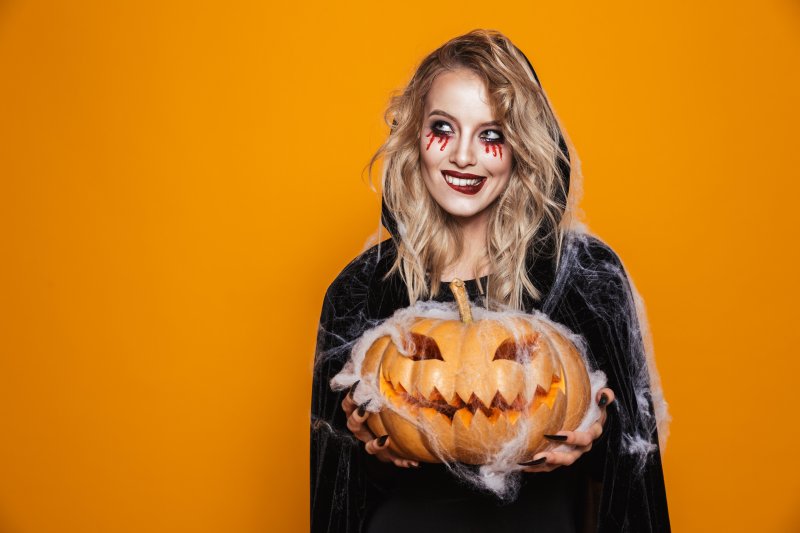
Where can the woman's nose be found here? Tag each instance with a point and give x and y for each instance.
(463, 153)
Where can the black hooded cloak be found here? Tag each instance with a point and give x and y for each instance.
(618, 486)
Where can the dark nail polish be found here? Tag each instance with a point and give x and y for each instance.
(353, 388)
(603, 400)
(560, 438)
(534, 462)
(382, 440)
(362, 409)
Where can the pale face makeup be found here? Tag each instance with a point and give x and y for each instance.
(466, 163)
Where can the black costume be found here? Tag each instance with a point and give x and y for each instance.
(618, 486)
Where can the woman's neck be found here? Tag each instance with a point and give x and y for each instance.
(473, 233)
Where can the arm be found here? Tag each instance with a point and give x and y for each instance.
(338, 487)
(633, 496)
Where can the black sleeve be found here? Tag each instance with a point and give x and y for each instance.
(627, 459)
(337, 493)
(341, 490)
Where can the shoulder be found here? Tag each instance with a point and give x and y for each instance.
(359, 292)
(590, 250)
(363, 268)
(592, 267)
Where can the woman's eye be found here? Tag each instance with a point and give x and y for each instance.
(492, 136)
(442, 128)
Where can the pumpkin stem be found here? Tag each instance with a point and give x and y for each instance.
(460, 294)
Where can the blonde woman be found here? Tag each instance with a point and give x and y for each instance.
(476, 181)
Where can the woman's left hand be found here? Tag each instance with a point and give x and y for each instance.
(581, 441)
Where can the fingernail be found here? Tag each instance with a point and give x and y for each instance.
(560, 438)
(416, 464)
(535, 462)
(362, 409)
(603, 400)
(382, 440)
(353, 388)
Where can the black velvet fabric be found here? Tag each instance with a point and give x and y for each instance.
(609, 489)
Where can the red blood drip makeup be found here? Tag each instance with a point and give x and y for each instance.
(431, 140)
(496, 149)
(442, 138)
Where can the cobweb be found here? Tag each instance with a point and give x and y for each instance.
(496, 473)
(591, 301)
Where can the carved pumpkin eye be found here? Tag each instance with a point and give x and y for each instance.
(423, 347)
(511, 350)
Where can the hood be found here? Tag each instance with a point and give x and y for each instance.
(390, 223)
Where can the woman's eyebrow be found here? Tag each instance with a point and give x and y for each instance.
(454, 119)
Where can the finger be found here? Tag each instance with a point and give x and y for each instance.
(540, 464)
(575, 438)
(404, 463)
(348, 404)
(536, 461)
(602, 418)
(537, 464)
(356, 423)
(377, 445)
(595, 430)
(605, 397)
(566, 458)
(380, 448)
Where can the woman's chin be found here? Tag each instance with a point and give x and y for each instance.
(463, 215)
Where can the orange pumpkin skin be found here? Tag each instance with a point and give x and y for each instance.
(461, 393)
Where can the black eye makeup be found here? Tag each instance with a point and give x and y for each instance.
(442, 128)
(492, 137)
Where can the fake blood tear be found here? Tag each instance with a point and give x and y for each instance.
(442, 138)
(496, 148)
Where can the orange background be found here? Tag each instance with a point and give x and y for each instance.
(181, 181)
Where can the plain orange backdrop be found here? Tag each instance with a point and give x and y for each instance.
(182, 180)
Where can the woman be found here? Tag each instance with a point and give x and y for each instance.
(476, 182)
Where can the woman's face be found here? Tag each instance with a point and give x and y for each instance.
(466, 164)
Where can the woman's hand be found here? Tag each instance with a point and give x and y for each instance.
(581, 441)
(379, 447)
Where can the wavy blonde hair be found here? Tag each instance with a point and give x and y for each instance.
(526, 213)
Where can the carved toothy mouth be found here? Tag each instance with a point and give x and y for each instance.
(457, 406)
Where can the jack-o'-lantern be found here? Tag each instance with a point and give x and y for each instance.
(466, 388)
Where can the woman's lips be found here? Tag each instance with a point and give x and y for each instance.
(463, 183)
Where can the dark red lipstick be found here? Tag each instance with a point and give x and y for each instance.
(466, 189)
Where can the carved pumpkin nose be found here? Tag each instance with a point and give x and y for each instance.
(461, 389)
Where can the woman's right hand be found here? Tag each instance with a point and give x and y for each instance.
(379, 447)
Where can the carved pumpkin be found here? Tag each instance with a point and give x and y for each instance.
(465, 389)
